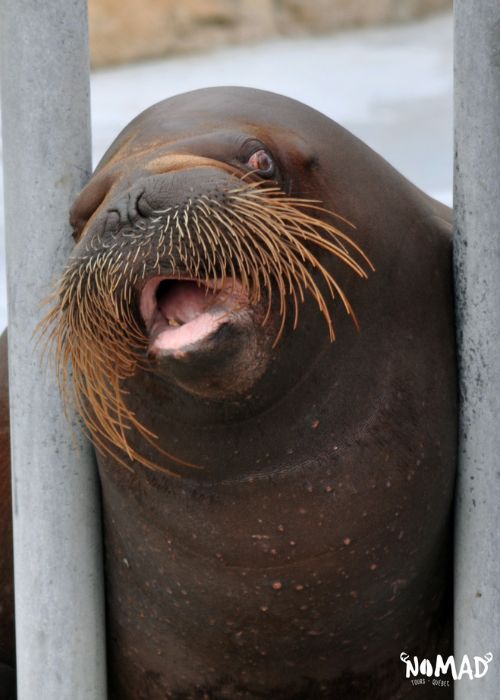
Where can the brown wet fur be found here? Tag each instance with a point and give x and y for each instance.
(313, 545)
(7, 640)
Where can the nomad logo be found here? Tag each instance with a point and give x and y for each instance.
(477, 668)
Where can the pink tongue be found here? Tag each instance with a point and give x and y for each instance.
(179, 313)
(185, 301)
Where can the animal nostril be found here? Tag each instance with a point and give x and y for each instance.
(143, 207)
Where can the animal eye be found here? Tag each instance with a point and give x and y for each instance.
(262, 163)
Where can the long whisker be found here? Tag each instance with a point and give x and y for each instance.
(256, 234)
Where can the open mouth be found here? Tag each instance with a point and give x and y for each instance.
(184, 312)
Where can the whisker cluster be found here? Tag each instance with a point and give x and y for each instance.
(253, 233)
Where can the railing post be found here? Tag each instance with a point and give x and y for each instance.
(57, 538)
(477, 273)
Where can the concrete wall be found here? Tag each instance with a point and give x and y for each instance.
(127, 30)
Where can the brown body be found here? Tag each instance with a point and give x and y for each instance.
(7, 643)
(312, 546)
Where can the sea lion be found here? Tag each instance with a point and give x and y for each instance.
(258, 315)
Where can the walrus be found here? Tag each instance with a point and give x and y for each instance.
(258, 319)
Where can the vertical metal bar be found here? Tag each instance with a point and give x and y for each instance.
(477, 271)
(57, 539)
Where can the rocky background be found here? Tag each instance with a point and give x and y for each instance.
(130, 30)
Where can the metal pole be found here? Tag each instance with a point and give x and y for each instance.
(477, 271)
(57, 539)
